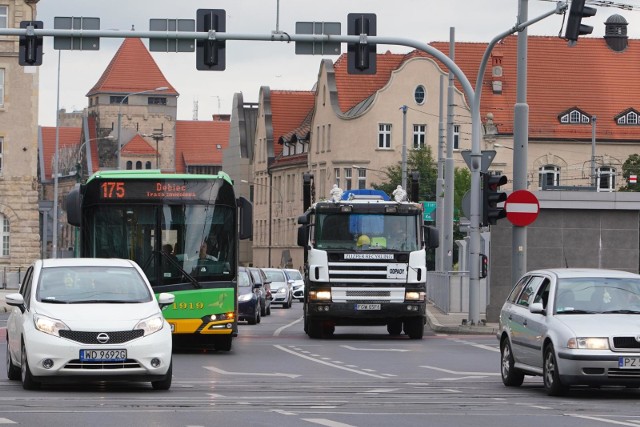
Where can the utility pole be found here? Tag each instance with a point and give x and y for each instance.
(594, 180)
(404, 148)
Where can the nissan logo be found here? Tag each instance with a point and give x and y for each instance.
(102, 338)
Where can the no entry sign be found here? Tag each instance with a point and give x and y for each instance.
(522, 208)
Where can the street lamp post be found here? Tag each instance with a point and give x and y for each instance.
(271, 188)
(126, 97)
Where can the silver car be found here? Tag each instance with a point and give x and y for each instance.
(298, 283)
(281, 287)
(572, 327)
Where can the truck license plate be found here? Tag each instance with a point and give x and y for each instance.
(361, 307)
(629, 362)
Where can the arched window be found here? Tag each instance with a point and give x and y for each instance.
(548, 176)
(138, 165)
(4, 236)
(147, 165)
(129, 165)
(606, 177)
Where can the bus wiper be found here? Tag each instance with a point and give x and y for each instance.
(176, 264)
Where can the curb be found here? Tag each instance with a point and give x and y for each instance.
(459, 329)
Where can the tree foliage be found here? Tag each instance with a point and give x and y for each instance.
(420, 160)
(630, 167)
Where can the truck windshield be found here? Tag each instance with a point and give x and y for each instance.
(353, 231)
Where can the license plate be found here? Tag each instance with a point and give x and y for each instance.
(103, 355)
(629, 362)
(360, 307)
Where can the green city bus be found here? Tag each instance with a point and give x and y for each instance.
(183, 230)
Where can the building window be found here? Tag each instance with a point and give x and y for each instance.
(206, 170)
(138, 165)
(575, 117)
(362, 178)
(548, 176)
(119, 100)
(157, 100)
(4, 16)
(384, 135)
(606, 178)
(4, 235)
(1, 86)
(1, 154)
(419, 132)
(632, 118)
(336, 172)
(456, 137)
(347, 178)
(419, 95)
(129, 165)
(147, 165)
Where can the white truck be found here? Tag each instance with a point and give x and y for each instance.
(365, 262)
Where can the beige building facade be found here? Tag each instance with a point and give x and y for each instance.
(19, 220)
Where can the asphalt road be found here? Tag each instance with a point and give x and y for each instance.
(276, 376)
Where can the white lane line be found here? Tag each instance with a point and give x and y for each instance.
(355, 371)
(283, 412)
(460, 372)
(265, 374)
(476, 345)
(348, 347)
(7, 421)
(604, 420)
(282, 328)
(325, 422)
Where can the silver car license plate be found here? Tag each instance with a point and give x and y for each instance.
(103, 355)
(628, 362)
(360, 307)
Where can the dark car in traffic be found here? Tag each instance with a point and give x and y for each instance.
(262, 283)
(248, 297)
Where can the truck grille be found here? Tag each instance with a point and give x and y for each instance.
(357, 272)
(350, 294)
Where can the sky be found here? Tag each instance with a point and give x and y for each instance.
(252, 64)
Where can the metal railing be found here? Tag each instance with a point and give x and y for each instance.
(12, 276)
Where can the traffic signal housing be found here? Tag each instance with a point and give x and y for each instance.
(575, 27)
(491, 197)
(361, 57)
(30, 45)
(484, 266)
(210, 54)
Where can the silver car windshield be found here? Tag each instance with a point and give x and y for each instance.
(92, 284)
(597, 295)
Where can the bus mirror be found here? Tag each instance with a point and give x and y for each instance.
(431, 237)
(303, 236)
(74, 206)
(246, 218)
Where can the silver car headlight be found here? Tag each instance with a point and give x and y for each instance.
(245, 297)
(151, 325)
(48, 325)
(587, 343)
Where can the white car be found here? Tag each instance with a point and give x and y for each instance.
(281, 290)
(573, 327)
(298, 283)
(88, 319)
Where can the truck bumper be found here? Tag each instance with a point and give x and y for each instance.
(352, 313)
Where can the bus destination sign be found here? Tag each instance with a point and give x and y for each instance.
(152, 190)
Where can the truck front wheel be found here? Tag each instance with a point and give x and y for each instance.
(414, 327)
(394, 327)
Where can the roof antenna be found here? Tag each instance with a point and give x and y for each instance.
(566, 264)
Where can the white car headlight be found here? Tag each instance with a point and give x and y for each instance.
(48, 325)
(151, 325)
(282, 291)
(588, 343)
(245, 297)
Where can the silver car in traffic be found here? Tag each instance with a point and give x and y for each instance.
(572, 327)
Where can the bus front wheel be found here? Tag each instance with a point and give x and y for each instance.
(223, 343)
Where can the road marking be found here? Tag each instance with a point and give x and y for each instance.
(355, 371)
(6, 421)
(283, 412)
(265, 374)
(282, 328)
(348, 347)
(382, 390)
(459, 372)
(481, 346)
(605, 420)
(328, 423)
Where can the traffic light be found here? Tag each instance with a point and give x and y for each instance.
(210, 54)
(361, 57)
(484, 266)
(30, 45)
(491, 196)
(575, 28)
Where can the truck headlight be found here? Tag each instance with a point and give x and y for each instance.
(414, 296)
(321, 295)
(587, 343)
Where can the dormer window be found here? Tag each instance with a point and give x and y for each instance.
(574, 117)
(629, 117)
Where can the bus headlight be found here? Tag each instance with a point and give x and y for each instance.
(414, 296)
(321, 295)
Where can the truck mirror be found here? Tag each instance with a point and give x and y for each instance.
(303, 236)
(431, 237)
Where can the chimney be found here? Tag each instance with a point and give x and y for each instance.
(615, 33)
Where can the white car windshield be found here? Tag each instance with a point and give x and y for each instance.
(294, 275)
(598, 295)
(92, 284)
(275, 276)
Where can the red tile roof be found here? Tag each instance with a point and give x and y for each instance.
(131, 70)
(197, 143)
(67, 137)
(353, 88)
(288, 111)
(138, 145)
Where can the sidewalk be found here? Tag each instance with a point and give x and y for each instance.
(437, 320)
